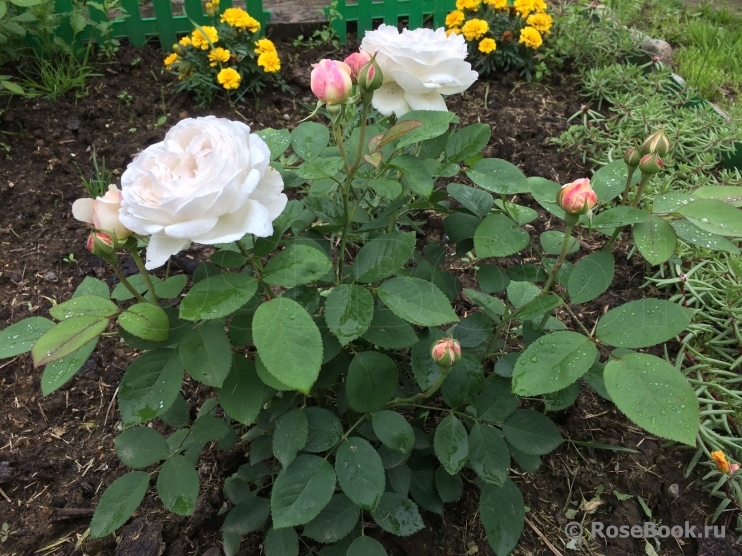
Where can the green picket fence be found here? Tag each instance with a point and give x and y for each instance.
(364, 12)
(165, 25)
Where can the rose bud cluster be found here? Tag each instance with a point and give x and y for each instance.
(446, 352)
(577, 197)
(331, 81)
(651, 164)
(632, 157)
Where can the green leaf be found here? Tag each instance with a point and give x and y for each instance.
(386, 188)
(288, 342)
(400, 478)
(591, 277)
(247, 516)
(84, 305)
(301, 491)
(492, 307)
(281, 542)
(695, 235)
(92, 286)
(366, 546)
(495, 402)
(415, 174)
(389, 331)
(642, 323)
(278, 140)
(655, 395)
(348, 312)
(536, 308)
(371, 382)
(610, 181)
(149, 386)
(488, 454)
(398, 515)
(360, 472)
(320, 168)
(179, 414)
(63, 338)
(552, 243)
(451, 444)
(325, 429)
(463, 382)
(227, 259)
(498, 236)
(435, 123)
(655, 240)
(241, 394)
(309, 139)
(335, 521)
(290, 436)
(208, 428)
(728, 194)
(383, 256)
(147, 321)
(545, 192)
(137, 282)
(58, 372)
(503, 515)
(498, 176)
(714, 217)
(397, 131)
(141, 447)
(522, 293)
(417, 301)
(117, 504)
(552, 363)
(297, 265)
(177, 485)
(478, 201)
(620, 216)
(450, 487)
(531, 432)
(172, 287)
(467, 142)
(218, 296)
(206, 353)
(393, 430)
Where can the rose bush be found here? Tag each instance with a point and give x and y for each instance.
(419, 67)
(207, 182)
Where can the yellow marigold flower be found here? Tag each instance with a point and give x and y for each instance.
(215, 2)
(455, 19)
(487, 45)
(530, 37)
(721, 461)
(541, 22)
(497, 4)
(253, 25)
(453, 31)
(185, 41)
(269, 61)
(472, 5)
(539, 5)
(524, 7)
(240, 19)
(228, 78)
(264, 45)
(218, 55)
(170, 60)
(200, 41)
(474, 29)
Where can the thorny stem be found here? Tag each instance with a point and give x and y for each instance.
(126, 282)
(364, 117)
(257, 267)
(145, 274)
(423, 395)
(565, 247)
(640, 191)
(624, 196)
(346, 193)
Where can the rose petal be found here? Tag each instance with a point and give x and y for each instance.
(82, 210)
(389, 98)
(430, 101)
(161, 248)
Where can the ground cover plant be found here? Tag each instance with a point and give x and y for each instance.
(367, 303)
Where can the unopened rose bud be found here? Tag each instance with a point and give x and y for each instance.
(577, 197)
(446, 352)
(101, 244)
(370, 77)
(651, 164)
(632, 157)
(656, 143)
(331, 81)
(355, 62)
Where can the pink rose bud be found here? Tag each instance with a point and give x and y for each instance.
(446, 352)
(100, 244)
(102, 213)
(370, 77)
(651, 164)
(656, 143)
(331, 81)
(577, 197)
(632, 157)
(355, 62)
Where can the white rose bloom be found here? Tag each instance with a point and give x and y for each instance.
(419, 66)
(207, 182)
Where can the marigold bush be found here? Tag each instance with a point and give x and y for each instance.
(501, 34)
(225, 56)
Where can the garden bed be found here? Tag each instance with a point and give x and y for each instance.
(56, 453)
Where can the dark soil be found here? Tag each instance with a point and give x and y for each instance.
(56, 453)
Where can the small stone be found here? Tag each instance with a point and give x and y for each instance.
(286, 117)
(73, 125)
(183, 115)
(49, 276)
(6, 472)
(673, 490)
(659, 48)
(213, 551)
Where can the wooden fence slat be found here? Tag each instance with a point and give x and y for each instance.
(132, 24)
(255, 9)
(364, 17)
(416, 14)
(390, 12)
(340, 26)
(194, 10)
(165, 23)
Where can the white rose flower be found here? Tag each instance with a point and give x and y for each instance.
(419, 66)
(207, 182)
